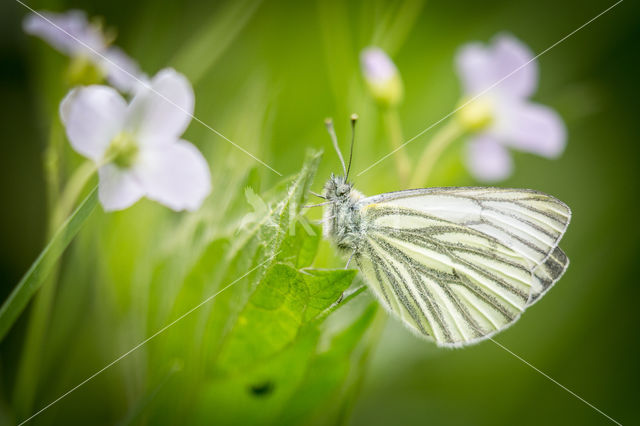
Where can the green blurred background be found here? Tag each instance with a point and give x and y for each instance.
(269, 73)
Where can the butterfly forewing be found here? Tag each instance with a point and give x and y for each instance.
(459, 264)
(529, 222)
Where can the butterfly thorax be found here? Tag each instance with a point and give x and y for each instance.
(342, 222)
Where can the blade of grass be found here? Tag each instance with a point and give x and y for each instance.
(47, 259)
(392, 31)
(341, 57)
(206, 46)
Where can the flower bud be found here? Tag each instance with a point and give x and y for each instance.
(381, 76)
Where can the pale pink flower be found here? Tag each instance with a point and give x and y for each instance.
(504, 117)
(72, 34)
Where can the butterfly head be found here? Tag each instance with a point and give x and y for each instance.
(340, 219)
(337, 188)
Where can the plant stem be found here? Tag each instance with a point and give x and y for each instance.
(30, 366)
(394, 133)
(71, 192)
(52, 165)
(45, 262)
(433, 151)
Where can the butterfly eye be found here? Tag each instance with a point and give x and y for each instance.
(342, 190)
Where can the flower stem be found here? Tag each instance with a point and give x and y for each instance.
(52, 165)
(394, 133)
(433, 151)
(71, 192)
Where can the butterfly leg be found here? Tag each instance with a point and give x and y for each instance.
(320, 222)
(345, 267)
(349, 261)
(346, 295)
(316, 205)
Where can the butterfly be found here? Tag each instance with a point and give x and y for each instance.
(455, 264)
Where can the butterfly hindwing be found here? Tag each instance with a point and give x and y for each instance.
(546, 274)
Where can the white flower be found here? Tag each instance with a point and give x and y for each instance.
(137, 146)
(72, 34)
(381, 76)
(504, 117)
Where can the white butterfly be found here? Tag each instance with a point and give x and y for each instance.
(454, 264)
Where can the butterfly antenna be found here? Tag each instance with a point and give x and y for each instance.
(329, 123)
(354, 119)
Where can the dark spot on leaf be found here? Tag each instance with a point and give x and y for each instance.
(261, 389)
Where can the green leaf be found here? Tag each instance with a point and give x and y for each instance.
(236, 211)
(255, 396)
(301, 246)
(320, 394)
(283, 302)
(37, 273)
(306, 379)
(251, 345)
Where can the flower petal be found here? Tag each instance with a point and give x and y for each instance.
(65, 105)
(64, 30)
(481, 68)
(487, 160)
(93, 116)
(118, 188)
(162, 111)
(531, 127)
(473, 63)
(509, 55)
(174, 174)
(123, 72)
